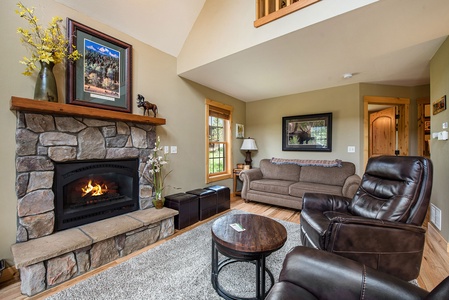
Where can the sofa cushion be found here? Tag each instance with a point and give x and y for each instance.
(331, 176)
(281, 172)
(271, 186)
(299, 188)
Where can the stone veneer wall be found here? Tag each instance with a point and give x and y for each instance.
(43, 139)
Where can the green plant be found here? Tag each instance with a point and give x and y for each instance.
(47, 45)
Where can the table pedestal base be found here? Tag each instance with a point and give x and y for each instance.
(261, 269)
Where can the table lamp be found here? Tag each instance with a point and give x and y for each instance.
(249, 145)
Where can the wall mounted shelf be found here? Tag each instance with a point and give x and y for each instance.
(44, 107)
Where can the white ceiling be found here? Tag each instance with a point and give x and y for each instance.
(387, 42)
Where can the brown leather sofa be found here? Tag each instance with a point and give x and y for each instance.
(315, 274)
(381, 226)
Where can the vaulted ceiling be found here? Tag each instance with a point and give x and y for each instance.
(386, 42)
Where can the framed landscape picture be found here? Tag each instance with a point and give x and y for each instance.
(239, 131)
(307, 133)
(102, 77)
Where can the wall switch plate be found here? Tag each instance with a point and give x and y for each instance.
(173, 149)
(166, 150)
(351, 149)
(443, 135)
(444, 125)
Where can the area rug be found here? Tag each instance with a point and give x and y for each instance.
(177, 269)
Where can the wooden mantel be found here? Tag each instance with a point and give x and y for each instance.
(44, 107)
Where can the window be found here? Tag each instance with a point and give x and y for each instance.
(218, 141)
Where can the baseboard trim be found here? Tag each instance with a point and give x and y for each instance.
(436, 238)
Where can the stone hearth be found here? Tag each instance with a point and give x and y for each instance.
(54, 259)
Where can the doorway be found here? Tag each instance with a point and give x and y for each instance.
(403, 114)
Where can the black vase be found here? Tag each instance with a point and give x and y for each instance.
(45, 88)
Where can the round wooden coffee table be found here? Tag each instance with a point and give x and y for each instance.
(261, 237)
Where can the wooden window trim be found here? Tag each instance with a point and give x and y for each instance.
(221, 108)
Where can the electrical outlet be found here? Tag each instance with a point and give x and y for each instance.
(351, 149)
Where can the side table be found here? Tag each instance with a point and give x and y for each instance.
(261, 237)
(236, 173)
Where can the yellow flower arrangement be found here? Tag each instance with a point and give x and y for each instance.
(47, 45)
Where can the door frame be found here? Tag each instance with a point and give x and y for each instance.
(421, 102)
(403, 105)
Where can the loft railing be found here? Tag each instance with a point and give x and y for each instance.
(270, 10)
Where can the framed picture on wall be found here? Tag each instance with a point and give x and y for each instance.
(439, 105)
(239, 131)
(307, 133)
(102, 77)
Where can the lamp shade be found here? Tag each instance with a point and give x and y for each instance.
(249, 144)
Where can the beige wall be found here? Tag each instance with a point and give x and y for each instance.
(439, 150)
(264, 119)
(264, 122)
(180, 102)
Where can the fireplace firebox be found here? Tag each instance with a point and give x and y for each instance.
(89, 191)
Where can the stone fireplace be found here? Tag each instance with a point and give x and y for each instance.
(62, 151)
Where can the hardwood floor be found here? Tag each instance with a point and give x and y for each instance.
(434, 268)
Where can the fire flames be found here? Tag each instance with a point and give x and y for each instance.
(94, 189)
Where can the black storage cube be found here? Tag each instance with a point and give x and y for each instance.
(186, 205)
(223, 197)
(207, 201)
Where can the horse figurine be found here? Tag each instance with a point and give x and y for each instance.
(147, 106)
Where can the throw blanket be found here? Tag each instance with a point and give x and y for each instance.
(307, 162)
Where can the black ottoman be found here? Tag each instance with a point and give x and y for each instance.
(223, 197)
(207, 201)
(186, 205)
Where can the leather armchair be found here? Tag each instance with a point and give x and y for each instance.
(381, 226)
(309, 273)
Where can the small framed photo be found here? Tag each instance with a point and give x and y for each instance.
(307, 133)
(239, 131)
(439, 105)
(102, 77)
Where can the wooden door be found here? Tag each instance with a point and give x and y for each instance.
(382, 132)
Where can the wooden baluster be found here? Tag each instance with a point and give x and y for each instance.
(278, 5)
(267, 7)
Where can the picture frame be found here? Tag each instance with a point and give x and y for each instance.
(239, 131)
(102, 78)
(439, 105)
(307, 133)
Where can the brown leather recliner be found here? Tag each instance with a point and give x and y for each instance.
(381, 226)
(315, 274)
